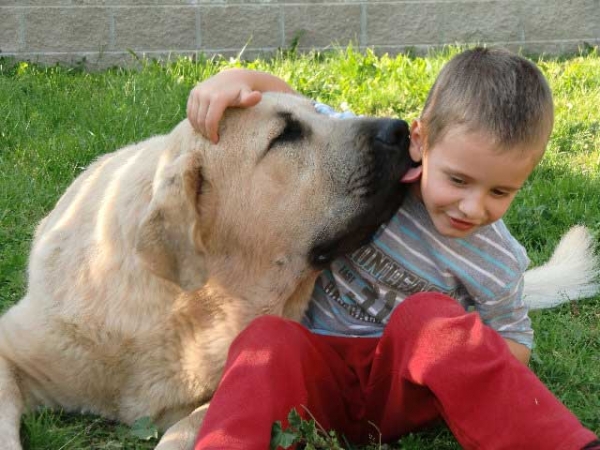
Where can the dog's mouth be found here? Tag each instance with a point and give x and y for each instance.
(381, 193)
(358, 232)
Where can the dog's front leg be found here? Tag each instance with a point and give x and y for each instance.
(11, 407)
(182, 435)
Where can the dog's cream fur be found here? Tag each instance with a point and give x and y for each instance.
(159, 254)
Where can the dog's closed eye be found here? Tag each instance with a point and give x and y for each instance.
(291, 131)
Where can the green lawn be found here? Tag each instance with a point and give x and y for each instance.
(55, 121)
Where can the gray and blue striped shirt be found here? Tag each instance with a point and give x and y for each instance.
(483, 272)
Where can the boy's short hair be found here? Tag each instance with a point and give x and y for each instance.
(490, 90)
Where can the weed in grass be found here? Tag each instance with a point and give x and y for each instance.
(308, 434)
(55, 120)
(56, 430)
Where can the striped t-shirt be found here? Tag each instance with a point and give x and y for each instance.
(483, 272)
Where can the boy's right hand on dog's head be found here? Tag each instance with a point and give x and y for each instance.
(209, 100)
(241, 88)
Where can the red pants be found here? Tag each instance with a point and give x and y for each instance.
(433, 360)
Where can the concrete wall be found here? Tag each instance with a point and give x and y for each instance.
(105, 31)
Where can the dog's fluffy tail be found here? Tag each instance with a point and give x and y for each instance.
(570, 274)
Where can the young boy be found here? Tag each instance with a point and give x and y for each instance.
(388, 345)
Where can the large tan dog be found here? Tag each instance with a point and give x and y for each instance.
(160, 253)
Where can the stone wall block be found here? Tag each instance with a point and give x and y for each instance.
(141, 3)
(35, 3)
(155, 28)
(234, 26)
(400, 23)
(495, 21)
(9, 30)
(554, 20)
(322, 25)
(67, 29)
(320, 2)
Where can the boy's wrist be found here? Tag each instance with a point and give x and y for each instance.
(263, 81)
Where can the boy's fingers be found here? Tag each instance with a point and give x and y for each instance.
(249, 98)
(205, 112)
(245, 99)
(195, 113)
(201, 110)
(212, 117)
(192, 110)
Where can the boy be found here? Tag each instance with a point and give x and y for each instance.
(391, 347)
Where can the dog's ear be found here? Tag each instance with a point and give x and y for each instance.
(167, 240)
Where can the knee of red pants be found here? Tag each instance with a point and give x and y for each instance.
(260, 383)
(420, 309)
(430, 327)
(271, 330)
(289, 365)
(272, 334)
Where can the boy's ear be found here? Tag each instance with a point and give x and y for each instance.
(417, 141)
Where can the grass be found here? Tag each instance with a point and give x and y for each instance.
(55, 121)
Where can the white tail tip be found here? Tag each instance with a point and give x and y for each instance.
(570, 274)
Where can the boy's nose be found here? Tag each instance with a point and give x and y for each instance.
(473, 207)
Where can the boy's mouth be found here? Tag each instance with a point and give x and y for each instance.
(461, 224)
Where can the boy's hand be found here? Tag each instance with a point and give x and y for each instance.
(209, 100)
(519, 351)
(240, 88)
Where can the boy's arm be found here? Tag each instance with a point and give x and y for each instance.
(240, 88)
(519, 351)
(495, 286)
(510, 318)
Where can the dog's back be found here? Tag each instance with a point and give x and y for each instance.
(60, 338)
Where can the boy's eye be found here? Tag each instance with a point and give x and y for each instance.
(457, 181)
(499, 194)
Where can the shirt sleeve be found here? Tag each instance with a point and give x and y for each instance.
(327, 110)
(498, 298)
(508, 315)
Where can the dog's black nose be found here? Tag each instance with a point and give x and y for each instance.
(392, 132)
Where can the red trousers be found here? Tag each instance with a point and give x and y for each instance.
(433, 360)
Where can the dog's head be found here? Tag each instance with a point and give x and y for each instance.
(284, 192)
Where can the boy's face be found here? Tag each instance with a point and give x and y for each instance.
(467, 181)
